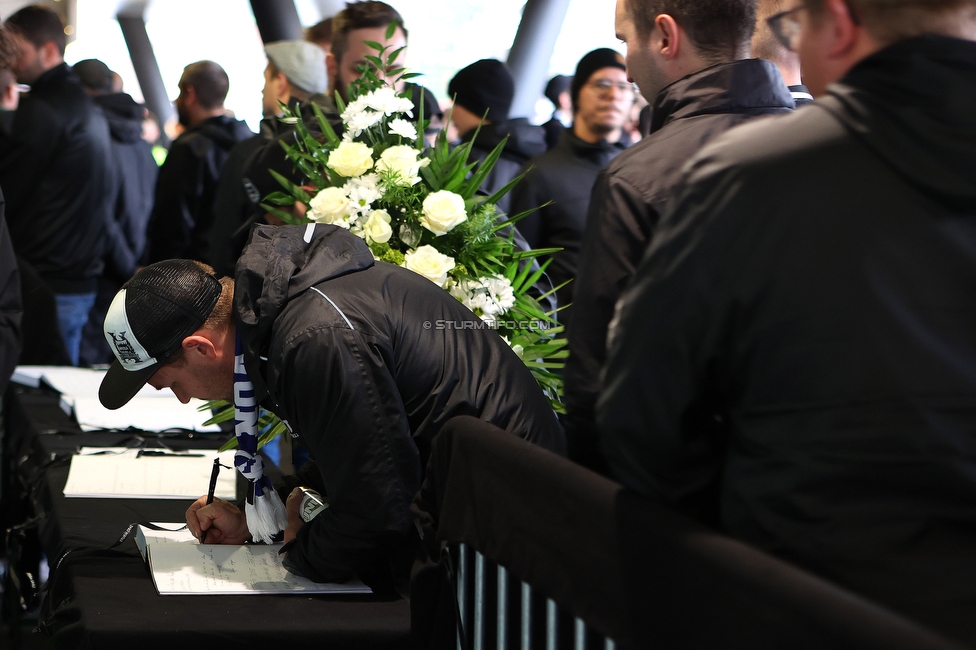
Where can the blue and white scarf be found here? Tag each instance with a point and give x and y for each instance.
(264, 510)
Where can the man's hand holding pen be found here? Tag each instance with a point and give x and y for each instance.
(222, 521)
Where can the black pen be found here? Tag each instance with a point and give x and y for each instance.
(154, 453)
(210, 492)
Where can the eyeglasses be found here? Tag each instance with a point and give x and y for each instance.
(603, 86)
(785, 27)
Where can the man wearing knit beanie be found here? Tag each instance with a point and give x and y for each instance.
(560, 180)
(484, 91)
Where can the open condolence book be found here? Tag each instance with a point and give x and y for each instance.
(181, 566)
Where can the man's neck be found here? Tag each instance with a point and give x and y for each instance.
(581, 131)
(203, 116)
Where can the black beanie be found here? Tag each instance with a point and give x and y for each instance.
(556, 87)
(485, 85)
(590, 63)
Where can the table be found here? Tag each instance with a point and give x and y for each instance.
(106, 598)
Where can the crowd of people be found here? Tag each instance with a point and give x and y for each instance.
(767, 296)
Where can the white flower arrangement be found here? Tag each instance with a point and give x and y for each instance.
(420, 208)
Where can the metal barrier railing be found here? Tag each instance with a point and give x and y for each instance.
(485, 592)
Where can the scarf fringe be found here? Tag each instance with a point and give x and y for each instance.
(265, 517)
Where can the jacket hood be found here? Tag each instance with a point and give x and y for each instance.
(223, 130)
(913, 104)
(124, 116)
(736, 87)
(282, 262)
(524, 139)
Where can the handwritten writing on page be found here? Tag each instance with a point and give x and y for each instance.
(231, 569)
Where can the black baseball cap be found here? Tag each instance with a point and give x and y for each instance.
(149, 317)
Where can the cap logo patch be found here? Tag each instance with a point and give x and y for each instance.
(123, 349)
(124, 342)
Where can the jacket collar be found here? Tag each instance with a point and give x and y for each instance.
(736, 87)
(60, 71)
(583, 149)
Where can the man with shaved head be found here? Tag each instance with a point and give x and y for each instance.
(186, 191)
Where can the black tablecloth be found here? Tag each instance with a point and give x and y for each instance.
(102, 598)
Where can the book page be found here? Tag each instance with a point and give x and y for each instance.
(173, 534)
(214, 569)
(180, 475)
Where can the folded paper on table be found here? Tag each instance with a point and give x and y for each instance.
(149, 410)
(119, 473)
(185, 568)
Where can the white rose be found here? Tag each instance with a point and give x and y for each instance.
(404, 129)
(351, 159)
(331, 205)
(402, 159)
(377, 228)
(443, 211)
(429, 263)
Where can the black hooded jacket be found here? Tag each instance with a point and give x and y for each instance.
(366, 361)
(628, 198)
(524, 141)
(186, 191)
(55, 170)
(134, 183)
(813, 287)
(563, 177)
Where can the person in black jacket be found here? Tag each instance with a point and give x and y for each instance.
(482, 94)
(134, 174)
(55, 170)
(561, 179)
(346, 350)
(696, 76)
(830, 341)
(295, 76)
(557, 92)
(183, 213)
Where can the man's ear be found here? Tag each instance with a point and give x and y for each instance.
(332, 68)
(671, 38)
(842, 30)
(50, 54)
(199, 347)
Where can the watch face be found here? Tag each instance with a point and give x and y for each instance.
(311, 506)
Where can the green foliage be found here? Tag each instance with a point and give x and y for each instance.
(485, 258)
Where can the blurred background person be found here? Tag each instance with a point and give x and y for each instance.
(483, 93)
(557, 92)
(56, 172)
(561, 179)
(183, 212)
(352, 28)
(131, 197)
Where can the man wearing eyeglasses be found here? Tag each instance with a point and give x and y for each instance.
(692, 66)
(810, 294)
(561, 179)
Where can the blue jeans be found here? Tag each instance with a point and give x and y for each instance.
(73, 309)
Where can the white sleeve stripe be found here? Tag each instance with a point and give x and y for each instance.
(336, 307)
